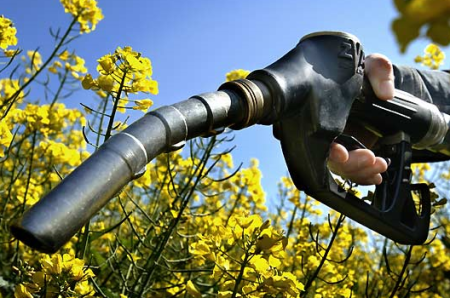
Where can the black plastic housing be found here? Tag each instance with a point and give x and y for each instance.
(314, 88)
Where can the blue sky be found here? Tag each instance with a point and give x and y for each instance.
(193, 44)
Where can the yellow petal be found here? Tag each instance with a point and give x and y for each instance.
(192, 290)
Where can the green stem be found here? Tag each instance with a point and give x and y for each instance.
(324, 258)
(114, 110)
(60, 87)
(12, 177)
(154, 258)
(30, 172)
(241, 274)
(291, 222)
(400, 276)
(298, 240)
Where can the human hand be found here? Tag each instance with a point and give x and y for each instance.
(361, 166)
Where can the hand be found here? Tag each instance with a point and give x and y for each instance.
(362, 166)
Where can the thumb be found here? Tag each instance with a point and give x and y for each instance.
(379, 70)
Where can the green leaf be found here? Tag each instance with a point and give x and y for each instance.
(439, 32)
(405, 31)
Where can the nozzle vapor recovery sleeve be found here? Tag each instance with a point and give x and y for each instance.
(61, 213)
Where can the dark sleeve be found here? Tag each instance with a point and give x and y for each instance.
(430, 85)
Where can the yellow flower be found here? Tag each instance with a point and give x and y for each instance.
(7, 33)
(192, 290)
(128, 68)
(267, 241)
(106, 83)
(145, 85)
(84, 288)
(88, 82)
(133, 257)
(250, 288)
(143, 104)
(313, 262)
(119, 125)
(433, 57)
(237, 74)
(259, 264)
(226, 294)
(86, 11)
(77, 65)
(35, 59)
(53, 69)
(11, 53)
(202, 250)
(64, 55)
(22, 292)
(51, 265)
(121, 106)
(286, 283)
(5, 136)
(135, 63)
(39, 278)
(174, 213)
(106, 64)
(250, 223)
(76, 268)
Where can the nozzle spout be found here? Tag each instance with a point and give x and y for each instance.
(68, 207)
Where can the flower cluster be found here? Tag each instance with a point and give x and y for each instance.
(433, 57)
(86, 12)
(57, 276)
(246, 254)
(69, 62)
(46, 119)
(8, 87)
(125, 71)
(33, 61)
(237, 74)
(41, 131)
(7, 33)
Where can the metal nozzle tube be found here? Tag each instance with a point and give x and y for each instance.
(63, 211)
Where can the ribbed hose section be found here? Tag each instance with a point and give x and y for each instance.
(67, 208)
